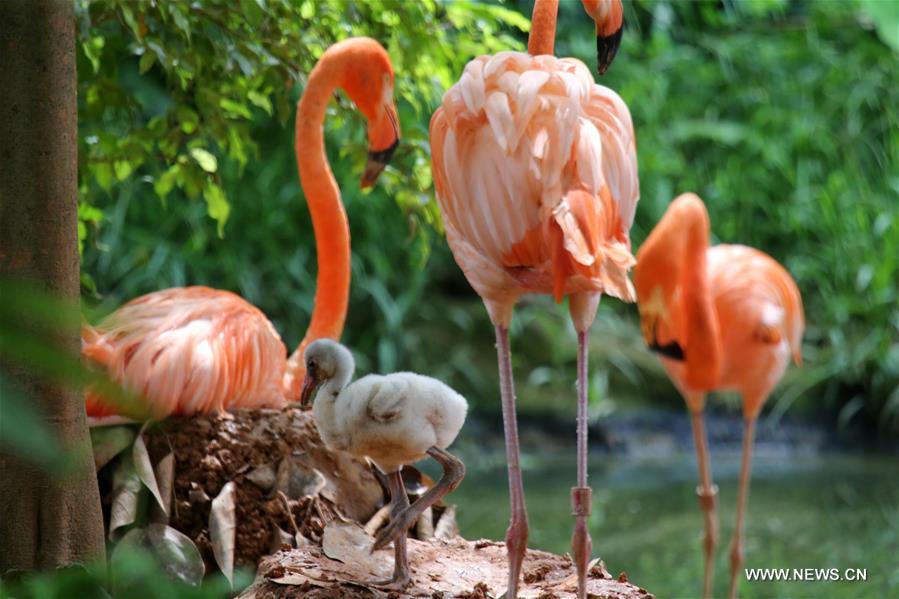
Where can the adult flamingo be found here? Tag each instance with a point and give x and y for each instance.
(722, 317)
(535, 170)
(196, 349)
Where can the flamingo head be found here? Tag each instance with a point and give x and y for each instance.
(325, 360)
(368, 81)
(609, 18)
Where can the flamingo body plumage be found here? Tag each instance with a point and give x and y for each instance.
(536, 176)
(189, 350)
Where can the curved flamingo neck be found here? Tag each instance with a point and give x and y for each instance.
(543, 27)
(329, 220)
(702, 343)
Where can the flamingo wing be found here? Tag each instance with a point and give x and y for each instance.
(751, 287)
(189, 350)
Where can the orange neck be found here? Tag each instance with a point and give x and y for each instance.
(543, 27)
(329, 220)
(702, 340)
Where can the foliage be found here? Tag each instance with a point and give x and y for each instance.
(781, 114)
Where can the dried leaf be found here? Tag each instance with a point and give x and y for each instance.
(348, 543)
(125, 494)
(279, 538)
(295, 579)
(378, 520)
(424, 528)
(263, 477)
(447, 527)
(222, 530)
(109, 441)
(165, 476)
(176, 553)
(145, 469)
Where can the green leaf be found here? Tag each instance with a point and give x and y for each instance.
(166, 181)
(234, 109)
(260, 100)
(93, 49)
(205, 159)
(147, 60)
(181, 21)
(884, 14)
(103, 174)
(123, 169)
(217, 206)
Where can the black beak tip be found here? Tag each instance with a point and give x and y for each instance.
(606, 49)
(376, 163)
(671, 350)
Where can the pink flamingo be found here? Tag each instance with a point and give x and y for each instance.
(721, 317)
(196, 349)
(535, 170)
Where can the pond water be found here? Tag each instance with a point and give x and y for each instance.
(805, 511)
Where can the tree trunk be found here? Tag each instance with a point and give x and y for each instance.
(45, 521)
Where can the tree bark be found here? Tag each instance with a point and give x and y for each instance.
(45, 521)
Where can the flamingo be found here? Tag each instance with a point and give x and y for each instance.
(721, 317)
(535, 170)
(199, 350)
(394, 419)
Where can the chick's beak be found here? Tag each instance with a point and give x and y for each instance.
(384, 137)
(310, 383)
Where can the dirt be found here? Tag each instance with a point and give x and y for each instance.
(271, 456)
(453, 568)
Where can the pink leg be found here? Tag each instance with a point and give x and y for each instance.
(736, 549)
(707, 493)
(581, 495)
(399, 502)
(517, 534)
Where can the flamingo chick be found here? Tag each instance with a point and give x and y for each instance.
(722, 317)
(393, 419)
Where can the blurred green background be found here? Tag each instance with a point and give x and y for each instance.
(782, 114)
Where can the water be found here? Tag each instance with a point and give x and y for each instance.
(805, 511)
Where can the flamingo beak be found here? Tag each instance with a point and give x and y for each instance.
(385, 137)
(606, 48)
(608, 33)
(310, 384)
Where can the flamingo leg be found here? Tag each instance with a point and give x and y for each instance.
(401, 521)
(581, 495)
(707, 493)
(736, 549)
(399, 502)
(517, 533)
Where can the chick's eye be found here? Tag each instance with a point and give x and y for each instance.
(311, 365)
